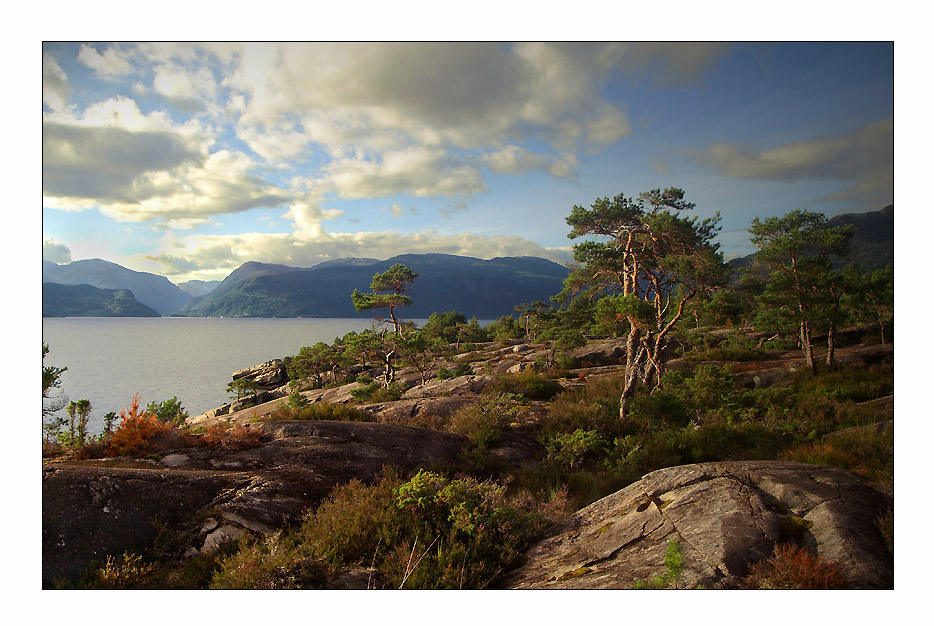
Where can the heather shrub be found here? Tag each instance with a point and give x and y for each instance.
(226, 437)
(532, 385)
(276, 562)
(791, 567)
(318, 411)
(483, 422)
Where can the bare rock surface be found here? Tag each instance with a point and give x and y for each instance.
(725, 516)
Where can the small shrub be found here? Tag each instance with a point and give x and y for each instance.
(127, 572)
(572, 450)
(225, 437)
(169, 411)
(673, 563)
(140, 434)
(461, 370)
(483, 423)
(318, 411)
(532, 385)
(278, 562)
(375, 392)
(791, 567)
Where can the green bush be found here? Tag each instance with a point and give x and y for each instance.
(318, 411)
(375, 392)
(430, 532)
(483, 422)
(532, 385)
(574, 449)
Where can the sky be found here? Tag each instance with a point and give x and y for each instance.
(188, 160)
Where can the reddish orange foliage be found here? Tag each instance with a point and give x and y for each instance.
(238, 437)
(140, 434)
(791, 567)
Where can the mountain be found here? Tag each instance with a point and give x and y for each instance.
(473, 287)
(872, 246)
(154, 291)
(87, 301)
(199, 287)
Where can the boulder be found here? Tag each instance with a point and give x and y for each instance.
(725, 516)
(269, 374)
(610, 351)
(459, 386)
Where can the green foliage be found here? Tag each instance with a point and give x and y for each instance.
(127, 572)
(531, 385)
(375, 392)
(242, 387)
(313, 361)
(78, 413)
(318, 411)
(572, 449)
(461, 370)
(483, 422)
(673, 563)
(52, 400)
(169, 411)
(397, 279)
(276, 562)
(429, 532)
(505, 328)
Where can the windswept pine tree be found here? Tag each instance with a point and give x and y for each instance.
(655, 261)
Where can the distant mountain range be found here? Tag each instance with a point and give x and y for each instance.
(87, 301)
(872, 246)
(199, 287)
(473, 287)
(154, 291)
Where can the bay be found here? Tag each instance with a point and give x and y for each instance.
(111, 359)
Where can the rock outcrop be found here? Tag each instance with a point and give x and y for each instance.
(93, 509)
(269, 374)
(726, 516)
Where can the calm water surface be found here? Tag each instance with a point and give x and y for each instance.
(110, 359)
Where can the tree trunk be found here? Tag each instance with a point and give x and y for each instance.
(633, 365)
(881, 327)
(808, 347)
(830, 343)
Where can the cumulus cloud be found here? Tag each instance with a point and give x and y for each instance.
(515, 160)
(864, 158)
(110, 63)
(55, 252)
(418, 171)
(55, 87)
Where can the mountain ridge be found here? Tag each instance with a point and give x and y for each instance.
(472, 286)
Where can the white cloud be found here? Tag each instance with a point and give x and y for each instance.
(110, 63)
(418, 171)
(55, 88)
(515, 160)
(212, 257)
(55, 252)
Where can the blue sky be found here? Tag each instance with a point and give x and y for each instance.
(188, 160)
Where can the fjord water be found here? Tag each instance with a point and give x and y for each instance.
(110, 359)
